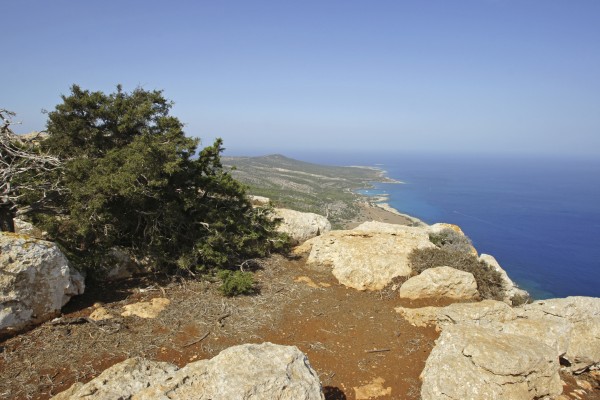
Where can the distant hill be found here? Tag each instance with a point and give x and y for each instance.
(303, 186)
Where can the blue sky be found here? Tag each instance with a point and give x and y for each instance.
(463, 76)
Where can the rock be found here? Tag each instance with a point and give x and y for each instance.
(442, 226)
(100, 314)
(259, 200)
(440, 282)
(512, 294)
(583, 316)
(368, 257)
(301, 226)
(487, 313)
(121, 381)
(250, 371)
(27, 229)
(372, 390)
(570, 326)
(145, 309)
(120, 264)
(422, 316)
(35, 281)
(471, 362)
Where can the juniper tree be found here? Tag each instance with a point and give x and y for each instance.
(132, 178)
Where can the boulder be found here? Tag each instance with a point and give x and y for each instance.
(440, 282)
(471, 362)
(250, 371)
(369, 256)
(570, 326)
(582, 314)
(119, 263)
(259, 201)
(512, 294)
(35, 281)
(301, 226)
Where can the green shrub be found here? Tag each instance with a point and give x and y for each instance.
(236, 282)
(489, 281)
(451, 240)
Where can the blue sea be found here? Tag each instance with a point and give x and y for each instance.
(540, 217)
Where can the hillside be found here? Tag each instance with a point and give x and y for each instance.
(303, 186)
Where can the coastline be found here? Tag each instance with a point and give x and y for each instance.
(376, 207)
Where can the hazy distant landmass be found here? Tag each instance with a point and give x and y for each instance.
(303, 186)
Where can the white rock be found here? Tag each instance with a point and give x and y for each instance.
(301, 226)
(120, 264)
(583, 316)
(511, 290)
(250, 371)
(35, 281)
(440, 282)
(470, 362)
(367, 258)
(259, 200)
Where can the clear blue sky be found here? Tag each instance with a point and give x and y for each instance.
(507, 76)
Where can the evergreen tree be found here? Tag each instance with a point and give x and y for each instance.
(130, 178)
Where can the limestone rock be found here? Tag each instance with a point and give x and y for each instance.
(570, 326)
(121, 380)
(301, 226)
(583, 316)
(422, 316)
(35, 281)
(146, 309)
(120, 264)
(471, 362)
(259, 200)
(369, 256)
(250, 371)
(512, 294)
(487, 313)
(441, 226)
(26, 228)
(440, 282)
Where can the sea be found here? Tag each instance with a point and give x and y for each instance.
(538, 216)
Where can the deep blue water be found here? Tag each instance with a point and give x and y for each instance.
(540, 217)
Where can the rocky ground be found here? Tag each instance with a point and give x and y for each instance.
(359, 345)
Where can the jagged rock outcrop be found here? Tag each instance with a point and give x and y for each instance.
(513, 295)
(570, 326)
(301, 226)
(440, 282)
(250, 371)
(35, 281)
(369, 256)
(582, 314)
(472, 362)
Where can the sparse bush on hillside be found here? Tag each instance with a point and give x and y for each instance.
(449, 239)
(130, 177)
(236, 283)
(489, 281)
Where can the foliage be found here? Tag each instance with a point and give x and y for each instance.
(236, 283)
(131, 179)
(449, 239)
(489, 281)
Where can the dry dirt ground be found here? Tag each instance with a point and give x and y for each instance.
(355, 341)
